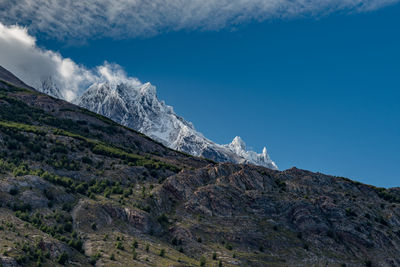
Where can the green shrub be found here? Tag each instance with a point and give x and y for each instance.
(350, 213)
(63, 258)
(386, 195)
(22, 215)
(128, 192)
(67, 207)
(119, 245)
(21, 170)
(202, 261)
(68, 227)
(383, 221)
(13, 191)
(35, 148)
(116, 189)
(163, 219)
(162, 253)
(281, 184)
(94, 258)
(21, 206)
(59, 148)
(76, 244)
(81, 188)
(48, 194)
(86, 160)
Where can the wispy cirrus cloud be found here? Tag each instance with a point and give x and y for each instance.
(85, 19)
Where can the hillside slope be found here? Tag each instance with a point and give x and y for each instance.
(78, 189)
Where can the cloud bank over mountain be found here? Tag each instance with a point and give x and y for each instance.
(142, 18)
(43, 68)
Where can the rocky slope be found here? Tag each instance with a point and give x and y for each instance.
(137, 106)
(77, 189)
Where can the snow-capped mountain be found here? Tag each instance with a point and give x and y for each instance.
(137, 106)
(49, 87)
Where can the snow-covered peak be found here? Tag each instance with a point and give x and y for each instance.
(148, 89)
(237, 144)
(265, 152)
(49, 87)
(136, 105)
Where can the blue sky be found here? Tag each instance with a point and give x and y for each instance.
(321, 93)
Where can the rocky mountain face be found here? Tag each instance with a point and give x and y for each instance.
(77, 189)
(137, 106)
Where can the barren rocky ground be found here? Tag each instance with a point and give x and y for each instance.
(77, 189)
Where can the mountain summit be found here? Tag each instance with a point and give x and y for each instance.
(239, 148)
(137, 106)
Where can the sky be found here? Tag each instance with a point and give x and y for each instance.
(318, 84)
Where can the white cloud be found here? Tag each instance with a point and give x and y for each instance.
(114, 74)
(20, 55)
(132, 18)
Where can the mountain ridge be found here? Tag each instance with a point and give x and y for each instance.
(139, 108)
(8, 77)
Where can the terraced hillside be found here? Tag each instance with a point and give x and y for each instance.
(77, 189)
